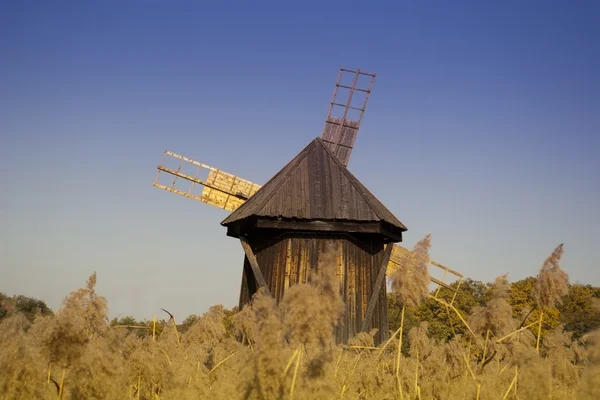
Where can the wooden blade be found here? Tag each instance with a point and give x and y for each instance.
(218, 188)
(402, 256)
(346, 110)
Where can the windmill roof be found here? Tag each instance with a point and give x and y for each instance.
(315, 185)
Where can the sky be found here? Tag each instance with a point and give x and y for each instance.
(482, 129)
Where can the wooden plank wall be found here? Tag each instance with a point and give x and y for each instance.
(292, 259)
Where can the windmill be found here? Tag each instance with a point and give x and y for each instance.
(312, 204)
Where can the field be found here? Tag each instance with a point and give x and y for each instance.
(267, 351)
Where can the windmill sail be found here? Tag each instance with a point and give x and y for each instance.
(227, 191)
(219, 188)
(346, 110)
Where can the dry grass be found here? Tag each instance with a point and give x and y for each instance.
(287, 351)
(496, 316)
(552, 281)
(550, 287)
(410, 282)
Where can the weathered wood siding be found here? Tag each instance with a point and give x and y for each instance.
(291, 259)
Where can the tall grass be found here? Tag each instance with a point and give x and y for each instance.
(285, 351)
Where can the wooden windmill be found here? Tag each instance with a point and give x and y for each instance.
(312, 206)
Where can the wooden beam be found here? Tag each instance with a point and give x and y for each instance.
(257, 273)
(320, 225)
(446, 269)
(380, 280)
(442, 284)
(381, 227)
(391, 231)
(258, 276)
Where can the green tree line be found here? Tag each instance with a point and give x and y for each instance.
(576, 312)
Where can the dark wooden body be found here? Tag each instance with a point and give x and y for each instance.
(287, 258)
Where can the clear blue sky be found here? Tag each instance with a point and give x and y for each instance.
(483, 130)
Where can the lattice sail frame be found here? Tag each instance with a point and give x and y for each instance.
(339, 133)
(221, 189)
(227, 191)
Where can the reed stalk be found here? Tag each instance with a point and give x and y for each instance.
(61, 387)
(295, 373)
(539, 334)
(398, 380)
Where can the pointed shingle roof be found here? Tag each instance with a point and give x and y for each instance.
(315, 185)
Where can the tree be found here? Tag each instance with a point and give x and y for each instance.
(443, 323)
(187, 323)
(526, 311)
(28, 306)
(577, 311)
(124, 321)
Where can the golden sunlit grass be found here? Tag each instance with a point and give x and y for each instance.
(270, 351)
